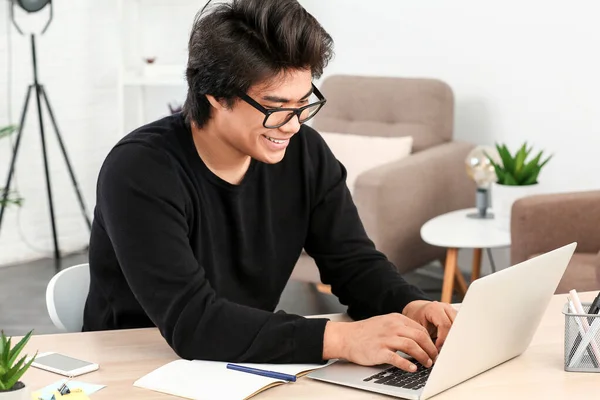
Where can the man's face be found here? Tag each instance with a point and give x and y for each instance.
(242, 128)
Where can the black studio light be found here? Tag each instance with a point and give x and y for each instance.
(38, 92)
(33, 5)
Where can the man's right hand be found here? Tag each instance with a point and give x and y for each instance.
(375, 341)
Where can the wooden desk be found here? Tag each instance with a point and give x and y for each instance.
(125, 356)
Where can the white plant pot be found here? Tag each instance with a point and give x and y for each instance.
(21, 394)
(503, 197)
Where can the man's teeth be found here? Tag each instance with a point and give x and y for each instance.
(276, 140)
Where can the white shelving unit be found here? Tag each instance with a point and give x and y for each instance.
(132, 79)
(152, 28)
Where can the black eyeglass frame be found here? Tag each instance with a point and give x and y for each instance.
(293, 111)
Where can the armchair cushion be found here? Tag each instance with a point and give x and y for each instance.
(389, 106)
(360, 153)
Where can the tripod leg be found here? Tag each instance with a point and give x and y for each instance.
(47, 172)
(38, 95)
(14, 155)
(69, 167)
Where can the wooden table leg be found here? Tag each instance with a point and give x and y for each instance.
(449, 275)
(322, 288)
(461, 284)
(476, 272)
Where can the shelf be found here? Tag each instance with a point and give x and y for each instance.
(162, 77)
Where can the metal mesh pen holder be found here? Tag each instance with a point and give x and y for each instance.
(582, 341)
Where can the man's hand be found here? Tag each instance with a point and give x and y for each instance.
(436, 317)
(375, 341)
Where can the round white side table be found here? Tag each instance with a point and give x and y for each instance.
(455, 231)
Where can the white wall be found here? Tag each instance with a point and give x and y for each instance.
(520, 70)
(80, 59)
(78, 66)
(159, 29)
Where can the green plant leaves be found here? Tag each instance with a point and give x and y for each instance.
(14, 353)
(545, 161)
(507, 159)
(6, 353)
(510, 180)
(520, 159)
(7, 130)
(497, 167)
(12, 198)
(18, 373)
(12, 370)
(516, 170)
(2, 345)
(532, 165)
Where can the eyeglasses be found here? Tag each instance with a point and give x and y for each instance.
(277, 117)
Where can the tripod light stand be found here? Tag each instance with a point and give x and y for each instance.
(41, 98)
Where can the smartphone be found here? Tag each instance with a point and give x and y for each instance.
(63, 365)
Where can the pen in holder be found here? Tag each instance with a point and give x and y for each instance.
(582, 340)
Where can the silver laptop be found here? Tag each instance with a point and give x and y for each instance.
(496, 322)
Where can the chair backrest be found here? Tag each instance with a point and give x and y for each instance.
(66, 294)
(549, 220)
(388, 106)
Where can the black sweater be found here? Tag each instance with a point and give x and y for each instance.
(176, 247)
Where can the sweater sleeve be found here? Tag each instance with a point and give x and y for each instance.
(143, 209)
(359, 275)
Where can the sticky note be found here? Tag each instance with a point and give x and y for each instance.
(76, 394)
(79, 391)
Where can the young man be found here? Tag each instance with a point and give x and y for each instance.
(201, 217)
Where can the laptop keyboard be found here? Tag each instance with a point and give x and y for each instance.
(396, 377)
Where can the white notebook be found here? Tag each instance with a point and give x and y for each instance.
(199, 380)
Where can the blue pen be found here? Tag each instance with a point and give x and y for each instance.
(262, 372)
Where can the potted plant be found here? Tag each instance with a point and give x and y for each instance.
(12, 198)
(11, 370)
(517, 177)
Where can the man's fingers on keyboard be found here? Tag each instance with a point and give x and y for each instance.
(412, 348)
(401, 362)
(410, 323)
(424, 341)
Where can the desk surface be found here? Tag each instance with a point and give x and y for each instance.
(125, 356)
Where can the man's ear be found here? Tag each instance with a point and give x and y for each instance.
(219, 105)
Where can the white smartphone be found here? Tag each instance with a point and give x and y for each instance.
(63, 365)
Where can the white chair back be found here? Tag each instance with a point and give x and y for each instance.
(66, 295)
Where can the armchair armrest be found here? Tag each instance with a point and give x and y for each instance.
(544, 222)
(396, 199)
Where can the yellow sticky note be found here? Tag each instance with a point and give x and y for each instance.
(76, 394)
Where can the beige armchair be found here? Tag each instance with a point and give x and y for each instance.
(544, 222)
(396, 199)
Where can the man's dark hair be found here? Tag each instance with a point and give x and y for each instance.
(237, 44)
